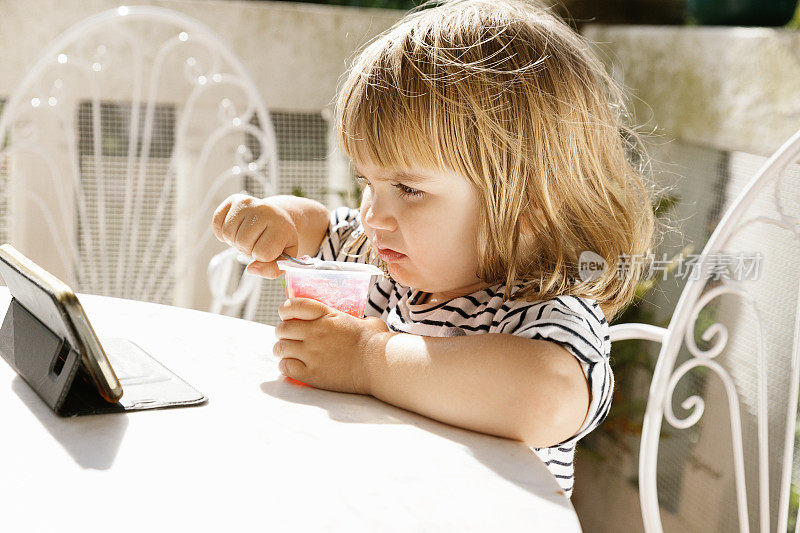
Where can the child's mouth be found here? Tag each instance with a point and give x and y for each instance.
(390, 256)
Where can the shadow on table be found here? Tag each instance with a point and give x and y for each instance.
(92, 441)
(507, 461)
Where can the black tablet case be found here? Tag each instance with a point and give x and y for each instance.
(37, 340)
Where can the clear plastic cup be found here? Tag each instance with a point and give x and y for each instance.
(343, 286)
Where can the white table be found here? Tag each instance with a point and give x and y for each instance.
(263, 454)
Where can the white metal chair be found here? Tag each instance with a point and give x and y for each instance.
(243, 299)
(116, 147)
(750, 353)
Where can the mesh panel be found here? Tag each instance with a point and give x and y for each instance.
(697, 175)
(302, 149)
(693, 176)
(775, 297)
(116, 130)
(122, 252)
(695, 466)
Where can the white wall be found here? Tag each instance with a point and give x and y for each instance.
(724, 87)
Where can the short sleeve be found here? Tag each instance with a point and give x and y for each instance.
(577, 324)
(342, 240)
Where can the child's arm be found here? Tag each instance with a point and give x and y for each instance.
(265, 228)
(530, 390)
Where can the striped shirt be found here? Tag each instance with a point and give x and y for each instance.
(577, 324)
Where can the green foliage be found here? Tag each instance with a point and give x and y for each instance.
(632, 363)
(665, 204)
(794, 24)
(794, 504)
(350, 197)
(794, 492)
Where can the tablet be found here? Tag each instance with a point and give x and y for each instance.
(48, 339)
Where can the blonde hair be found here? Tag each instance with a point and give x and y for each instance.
(505, 94)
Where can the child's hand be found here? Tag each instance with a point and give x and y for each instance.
(326, 348)
(258, 229)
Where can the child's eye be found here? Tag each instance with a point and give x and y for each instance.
(362, 181)
(405, 190)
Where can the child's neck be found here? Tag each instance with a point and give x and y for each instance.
(442, 297)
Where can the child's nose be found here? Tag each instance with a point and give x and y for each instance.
(379, 217)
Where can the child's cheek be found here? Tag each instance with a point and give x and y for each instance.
(362, 211)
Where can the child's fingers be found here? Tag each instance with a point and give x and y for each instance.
(219, 218)
(267, 269)
(292, 330)
(293, 368)
(302, 309)
(239, 209)
(284, 348)
(252, 227)
(268, 246)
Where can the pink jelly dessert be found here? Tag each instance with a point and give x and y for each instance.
(345, 293)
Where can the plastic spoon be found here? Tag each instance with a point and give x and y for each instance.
(296, 260)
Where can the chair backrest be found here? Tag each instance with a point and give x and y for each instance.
(241, 300)
(118, 144)
(734, 335)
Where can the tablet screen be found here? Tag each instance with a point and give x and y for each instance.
(53, 302)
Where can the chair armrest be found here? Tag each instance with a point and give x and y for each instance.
(648, 332)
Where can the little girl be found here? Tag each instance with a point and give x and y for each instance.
(489, 142)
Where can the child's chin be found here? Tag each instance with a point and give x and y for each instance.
(400, 276)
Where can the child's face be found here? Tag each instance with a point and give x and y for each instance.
(426, 228)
